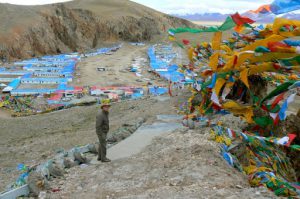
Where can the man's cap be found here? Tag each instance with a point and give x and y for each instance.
(105, 103)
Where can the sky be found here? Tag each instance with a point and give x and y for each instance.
(178, 6)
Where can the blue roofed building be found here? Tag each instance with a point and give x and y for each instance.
(43, 80)
(24, 92)
(12, 85)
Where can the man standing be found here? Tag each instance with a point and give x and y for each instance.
(102, 128)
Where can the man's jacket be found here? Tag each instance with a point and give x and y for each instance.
(102, 122)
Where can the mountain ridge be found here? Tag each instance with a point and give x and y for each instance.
(78, 25)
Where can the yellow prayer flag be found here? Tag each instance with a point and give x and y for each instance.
(226, 49)
(172, 38)
(266, 57)
(229, 64)
(280, 22)
(190, 54)
(263, 67)
(263, 42)
(235, 108)
(244, 77)
(219, 84)
(214, 61)
(216, 41)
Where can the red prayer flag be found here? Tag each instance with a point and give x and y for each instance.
(216, 107)
(240, 20)
(276, 66)
(235, 60)
(256, 128)
(276, 121)
(277, 100)
(274, 46)
(185, 42)
(264, 107)
(291, 139)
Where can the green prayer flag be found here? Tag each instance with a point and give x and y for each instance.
(263, 121)
(206, 84)
(262, 49)
(295, 147)
(276, 109)
(227, 25)
(294, 61)
(179, 44)
(248, 26)
(279, 89)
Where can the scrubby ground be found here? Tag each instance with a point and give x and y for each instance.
(33, 139)
(181, 164)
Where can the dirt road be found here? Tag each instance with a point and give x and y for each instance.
(115, 65)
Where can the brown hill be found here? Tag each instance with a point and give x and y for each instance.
(27, 31)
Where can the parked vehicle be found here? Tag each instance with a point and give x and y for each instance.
(66, 99)
(101, 69)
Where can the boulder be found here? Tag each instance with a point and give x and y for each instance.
(55, 170)
(36, 183)
(80, 157)
(69, 163)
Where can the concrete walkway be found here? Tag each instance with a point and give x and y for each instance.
(140, 139)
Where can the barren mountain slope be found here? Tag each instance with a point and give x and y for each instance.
(27, 31)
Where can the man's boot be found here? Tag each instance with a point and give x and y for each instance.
(106, 160)
(99, 158)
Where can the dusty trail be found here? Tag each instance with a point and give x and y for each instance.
(115, 65)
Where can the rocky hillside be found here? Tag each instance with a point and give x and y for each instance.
(27, 31)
